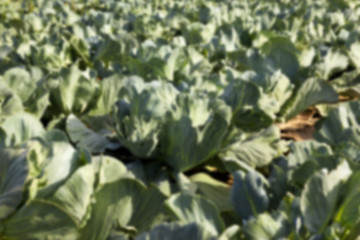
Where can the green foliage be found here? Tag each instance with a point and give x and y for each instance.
(158, 119)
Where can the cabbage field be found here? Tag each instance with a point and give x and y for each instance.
(169, 119)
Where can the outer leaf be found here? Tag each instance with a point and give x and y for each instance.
(307, 157)
(252, 109)
(145, 213)
(13, 174)
(118, 236)
(21, 127)
(10, 103)
(184, 184)
(189, 209)
(110, 169)
(266, 227)
(142, 114)
(55, 135)
(174, 231)
(349, 211)
(142, 214)
(312, 91)
(81, 48)
(39, 220)
(342, 118)
(306, 57)
(278, 86)
(110, 88)
(112, 49)
(194, 132)
(334, 61)
(74, 195)
(181, 140)
(216, 191)
(354, 53)
(20, 82)
(281, 54)
(85, 137)
(320, 195)
(114, 200)
(231, 233)
(57, 163)
(197, 32)
(256, 151)
(73, 92)
(38, 102)
(248, 194)
(307, 150)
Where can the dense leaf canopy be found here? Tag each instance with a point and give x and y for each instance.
(158, 119)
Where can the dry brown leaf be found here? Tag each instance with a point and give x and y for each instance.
(301, 127)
